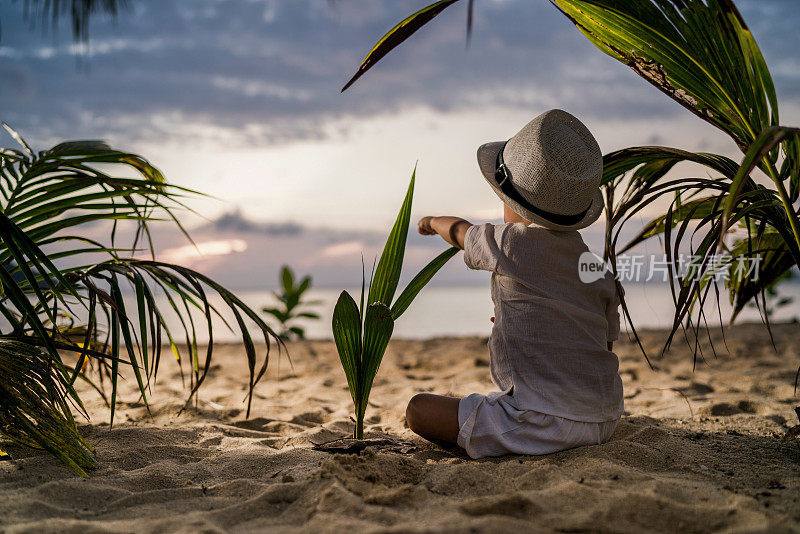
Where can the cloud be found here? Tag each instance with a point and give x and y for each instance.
(263, 72)
(252, 258)
(337, 250)
(235, 221)
(240, 100)
(16, 83)
(187, 254)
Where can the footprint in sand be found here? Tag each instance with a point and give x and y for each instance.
(514, 505)
(726, 409)
(313, 418)
(696, 389)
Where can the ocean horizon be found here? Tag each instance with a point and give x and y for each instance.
(462, 311)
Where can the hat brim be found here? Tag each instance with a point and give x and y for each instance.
(487, 161)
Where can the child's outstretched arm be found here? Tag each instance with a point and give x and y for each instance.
(452, 229)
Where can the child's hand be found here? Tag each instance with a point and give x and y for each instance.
(452, 229)
(425, 226)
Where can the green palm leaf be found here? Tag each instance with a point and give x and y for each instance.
(34, 410)
(637, 178)
(775, 261)
(45, 198)
(402, 31)
(347, 335)
(287, 279)
(378, 326)
(766, 142)
(291, 301)
(361, 346)
(698, 52)
(420, 281)
(700, 208)
(387, 274)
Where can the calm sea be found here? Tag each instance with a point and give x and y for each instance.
(456, 311)
(465, 311)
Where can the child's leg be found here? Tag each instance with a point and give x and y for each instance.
(434, 417)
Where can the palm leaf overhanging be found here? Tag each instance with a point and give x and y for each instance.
(701, 54)
(363, 333)
(402, 31)
(48, 12)
(62, 294)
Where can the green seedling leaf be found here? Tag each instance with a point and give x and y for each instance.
(291, 299)
(387, 274)
(361, 355)
(347, 335)
(378, 326)
(421, 280)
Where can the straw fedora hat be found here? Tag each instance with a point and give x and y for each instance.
(549, 172)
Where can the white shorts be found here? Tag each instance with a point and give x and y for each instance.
(490, 425)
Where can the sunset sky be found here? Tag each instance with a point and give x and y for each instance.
(240, 99)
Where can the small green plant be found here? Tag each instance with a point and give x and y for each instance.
(291, 300)
(362, 332)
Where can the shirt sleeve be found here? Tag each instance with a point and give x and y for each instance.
(482, 249)
(612, 316)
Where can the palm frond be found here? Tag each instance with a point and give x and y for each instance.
(637, 178)
(387, 274)
(34, 407)
(420, 281)
(700, 53)
(47, 13)
(402, 31)
(81, 308)
(774, 261)
(761, 147)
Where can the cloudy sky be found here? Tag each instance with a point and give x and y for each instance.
(240, 99)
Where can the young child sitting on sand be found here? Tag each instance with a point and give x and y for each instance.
(551, 343)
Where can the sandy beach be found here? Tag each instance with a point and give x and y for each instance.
(695, 452)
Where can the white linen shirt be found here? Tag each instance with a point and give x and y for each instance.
(548, 346)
